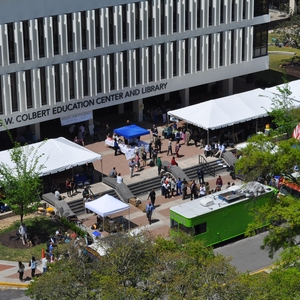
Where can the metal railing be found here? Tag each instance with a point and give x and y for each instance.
(206, 166)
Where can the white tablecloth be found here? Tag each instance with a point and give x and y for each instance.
(127, 150)
(109, 142)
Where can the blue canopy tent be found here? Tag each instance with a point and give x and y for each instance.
(131, 131)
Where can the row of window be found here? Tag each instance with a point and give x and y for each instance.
(127, 20)
(166, 60)
(204, 58)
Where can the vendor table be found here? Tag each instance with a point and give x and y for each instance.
(127, 149)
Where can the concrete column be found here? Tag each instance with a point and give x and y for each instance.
(185, 97)
(37, 130)
(228, 87)
(138, 108)
(121, 108)
(167, 96)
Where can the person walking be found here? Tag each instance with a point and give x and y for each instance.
(152, 196)
(200, 174)
(177, 147)
(159, 165)
(32, 265)
(21, 270)
(131, 165)
(149, 211)
(154, 155)
(158, 144)
(170, 147)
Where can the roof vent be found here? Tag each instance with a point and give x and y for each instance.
(207, 201)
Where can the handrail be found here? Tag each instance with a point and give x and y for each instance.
(204, 163)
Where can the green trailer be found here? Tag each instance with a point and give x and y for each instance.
(221, 216)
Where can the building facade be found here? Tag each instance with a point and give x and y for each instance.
(67, 59)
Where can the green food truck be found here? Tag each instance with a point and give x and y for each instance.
(221, 216)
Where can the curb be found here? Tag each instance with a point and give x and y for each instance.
(262, 270)
(13, 284)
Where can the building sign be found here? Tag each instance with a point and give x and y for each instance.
(61, 110)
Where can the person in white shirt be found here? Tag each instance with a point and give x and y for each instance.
(202, 190)
(119, 178)
(23, 233)
(44, 264)
(220, 151)
(57, 194)
(207, 151)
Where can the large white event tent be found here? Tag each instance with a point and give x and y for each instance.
(227, 111)
(56, 155)
(107, 205)
(294, 87)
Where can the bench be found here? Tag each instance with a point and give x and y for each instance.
(229, 158)
(176, 171)
(61, 206)
(121, 188)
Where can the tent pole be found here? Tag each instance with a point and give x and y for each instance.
(129, 217)
(208, 143)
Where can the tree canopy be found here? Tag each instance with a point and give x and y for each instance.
(22, 184)
(264, 157)
(138, 267)
(289, 30)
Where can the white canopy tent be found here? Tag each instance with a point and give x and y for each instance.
(56, 155)
(107, 205)
(294, 87)
(227, 111)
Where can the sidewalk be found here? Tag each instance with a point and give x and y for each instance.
(9, 276)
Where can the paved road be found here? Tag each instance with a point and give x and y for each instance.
(247, 255)
(8, 294)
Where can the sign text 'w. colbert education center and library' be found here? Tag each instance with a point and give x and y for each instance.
(75, 106)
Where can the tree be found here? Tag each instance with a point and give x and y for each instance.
(283, 220)
(263, 157)
(283, 112)
(74, 276)
(21, 183)
(289, 31)
(138, 267)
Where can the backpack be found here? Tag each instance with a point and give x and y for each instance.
(151, 164)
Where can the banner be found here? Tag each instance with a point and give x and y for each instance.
(76, 118)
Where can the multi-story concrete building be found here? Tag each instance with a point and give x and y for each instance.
(68, 59)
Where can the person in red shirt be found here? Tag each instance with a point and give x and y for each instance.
(173, 162)
(219, 183)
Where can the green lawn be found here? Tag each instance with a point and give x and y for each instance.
(43, 225)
